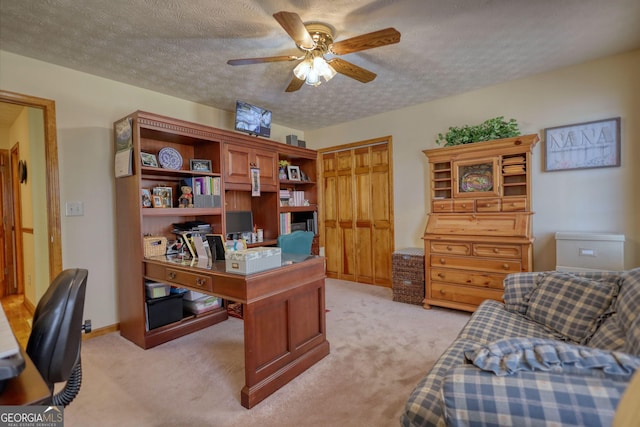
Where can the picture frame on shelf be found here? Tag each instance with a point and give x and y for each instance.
(587, 145)
(166, 193)
(293, 172)
(217, 244)
(255, 182)
(200, 165)
(146, 198)
(149, 159)
(157, 201)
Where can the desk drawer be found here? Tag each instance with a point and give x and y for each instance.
(198, 281)
(178, 277)
(471, 263)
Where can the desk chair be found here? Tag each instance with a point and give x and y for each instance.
(298, 242)
(54, 343)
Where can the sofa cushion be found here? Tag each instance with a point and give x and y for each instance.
(571, 305)
(629, 299)
(516, 287)
(619, 331)
(632, 346)
(492, 322)
(508, 356)
(478, 398)
(609, 336)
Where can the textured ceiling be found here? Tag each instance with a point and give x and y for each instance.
(181, 47)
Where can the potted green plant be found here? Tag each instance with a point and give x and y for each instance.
(495, 128)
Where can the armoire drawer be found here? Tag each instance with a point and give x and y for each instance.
(462, 294)
(472, 263)
(463, 206)
(471, 278)
(514, 204)
(488, 205)
(454, 248)
(442, 206)
(496, 250)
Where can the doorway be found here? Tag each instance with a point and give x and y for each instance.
(357, 211)
(49, 152)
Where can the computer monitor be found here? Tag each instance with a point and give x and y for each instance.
(239, 222)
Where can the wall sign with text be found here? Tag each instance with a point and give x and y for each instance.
(583, 145)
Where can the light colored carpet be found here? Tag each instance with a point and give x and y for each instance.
(379, 350)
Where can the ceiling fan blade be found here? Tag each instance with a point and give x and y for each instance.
(366, 41)
(295, 84)
(351, 70)
(294, 26)
(246, 61)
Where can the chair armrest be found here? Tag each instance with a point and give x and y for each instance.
(475, 397)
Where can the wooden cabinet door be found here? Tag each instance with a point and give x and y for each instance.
(236, 160)
(267, 162)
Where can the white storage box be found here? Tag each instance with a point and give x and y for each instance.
(202, 304)
(157, 290)
(253, 260)
(577, 251)
(193, 295)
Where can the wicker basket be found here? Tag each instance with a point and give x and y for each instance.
(408, 275)
(154, 246)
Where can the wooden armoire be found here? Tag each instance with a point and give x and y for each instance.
(480, 225)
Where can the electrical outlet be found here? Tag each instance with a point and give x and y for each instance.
(74, 209)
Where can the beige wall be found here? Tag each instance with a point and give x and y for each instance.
(603, 200)
(86, 107)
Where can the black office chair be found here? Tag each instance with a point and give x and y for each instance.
(54, 343)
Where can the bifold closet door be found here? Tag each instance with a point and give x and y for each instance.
(357, 214)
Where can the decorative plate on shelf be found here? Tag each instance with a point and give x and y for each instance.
(170, 158)
(475, 181)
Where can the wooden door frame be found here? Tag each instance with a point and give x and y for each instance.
(16, 212)
(48, 108)
(351, 146)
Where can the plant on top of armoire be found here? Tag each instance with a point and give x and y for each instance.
(496, 128)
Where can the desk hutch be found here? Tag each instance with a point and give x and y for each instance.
(479, 228)
(232, 157)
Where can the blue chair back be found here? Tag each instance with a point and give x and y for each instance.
(298, 242)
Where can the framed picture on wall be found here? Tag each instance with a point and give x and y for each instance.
(593, 144)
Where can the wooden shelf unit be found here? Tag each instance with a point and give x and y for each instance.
(479, 228)
(232, 156)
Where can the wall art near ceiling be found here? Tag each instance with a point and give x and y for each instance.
(593, 144)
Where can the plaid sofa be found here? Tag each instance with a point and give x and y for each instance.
(560, 350)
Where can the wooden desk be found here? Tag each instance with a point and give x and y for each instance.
(284, 315)
(28, 388)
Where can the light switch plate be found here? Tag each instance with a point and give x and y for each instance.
(74, 208)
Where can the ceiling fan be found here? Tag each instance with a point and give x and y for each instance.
(315, 40)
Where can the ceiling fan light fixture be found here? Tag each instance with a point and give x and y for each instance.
(323, 68)
(302, 69)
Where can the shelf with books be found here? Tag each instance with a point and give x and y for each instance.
(181, 211)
